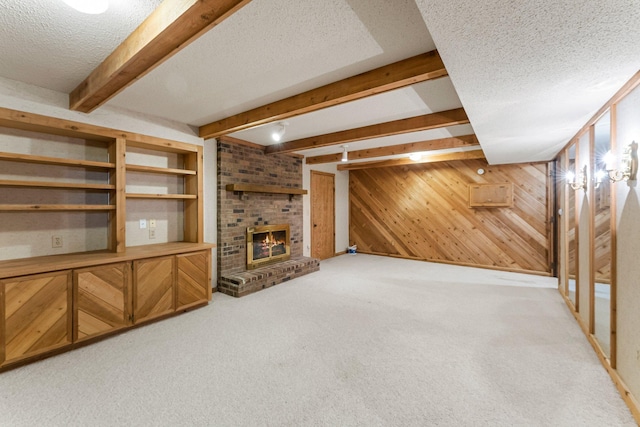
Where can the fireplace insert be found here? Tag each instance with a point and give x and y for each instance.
(267, 244)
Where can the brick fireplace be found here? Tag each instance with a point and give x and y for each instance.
(244, 164)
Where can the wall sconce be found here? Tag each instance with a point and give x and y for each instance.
(345, 156)
(578, 182)
(628, 164)
(600, 175)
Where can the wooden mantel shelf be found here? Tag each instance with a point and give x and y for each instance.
(273, 189)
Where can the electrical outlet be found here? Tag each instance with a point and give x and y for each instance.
(152, 223)
(56, 241)
(143, 224)
(152, 233)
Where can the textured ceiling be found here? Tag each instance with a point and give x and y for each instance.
(529, 74)
(419, 99)
(48, 44)
(271, 49)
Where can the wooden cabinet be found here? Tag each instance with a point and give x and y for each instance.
(154, 288)
(75, 298)
(102, 300)
(193, 276)
(36, 314)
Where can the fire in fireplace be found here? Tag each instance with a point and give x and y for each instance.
(267, 244)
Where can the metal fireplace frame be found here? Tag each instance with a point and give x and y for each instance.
(251, 231)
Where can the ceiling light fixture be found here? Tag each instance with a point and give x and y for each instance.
(93, 7)
(345, 155)
(278, 133)
(415, 157)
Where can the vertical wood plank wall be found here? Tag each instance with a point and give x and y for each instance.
(422, 211)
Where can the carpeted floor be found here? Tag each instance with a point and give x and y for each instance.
(367, 341)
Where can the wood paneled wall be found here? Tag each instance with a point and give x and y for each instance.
(422, 211)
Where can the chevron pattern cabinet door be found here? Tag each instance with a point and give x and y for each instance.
(153, 283)
(36, 314)
(102, 300)
(193, 285)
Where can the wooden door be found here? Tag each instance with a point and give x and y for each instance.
(153, 288)
(194, 283)
(102, 297)
(36, 314)
(323, 215)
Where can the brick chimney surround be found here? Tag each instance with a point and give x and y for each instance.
(240, 162)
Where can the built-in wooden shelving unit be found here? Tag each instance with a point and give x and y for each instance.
(141, 283)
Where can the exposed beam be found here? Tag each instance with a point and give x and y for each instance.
(413, 147)
(169, 28)
(411, 124)
(462, 155)
(403, 73)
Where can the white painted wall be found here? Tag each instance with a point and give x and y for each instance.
(29, 234)
(341, 203)
(25, 97)
(628, 251)
(210, 193)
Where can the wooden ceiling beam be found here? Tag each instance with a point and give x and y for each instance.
(434, 158)
(403, 73)
(413, 147)
(169, 28)
(396, 127)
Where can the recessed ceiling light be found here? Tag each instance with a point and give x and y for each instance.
(279, 131)
(92, 7)
(415, 157)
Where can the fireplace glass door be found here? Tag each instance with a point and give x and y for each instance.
(267, 244)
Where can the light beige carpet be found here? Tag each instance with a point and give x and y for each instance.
(367, 341)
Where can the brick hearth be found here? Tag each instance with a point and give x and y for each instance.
(241, 284)
(247, 164)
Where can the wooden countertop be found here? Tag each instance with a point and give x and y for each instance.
(44, 264)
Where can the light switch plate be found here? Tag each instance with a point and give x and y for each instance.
(152, 223)
(143, 223)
